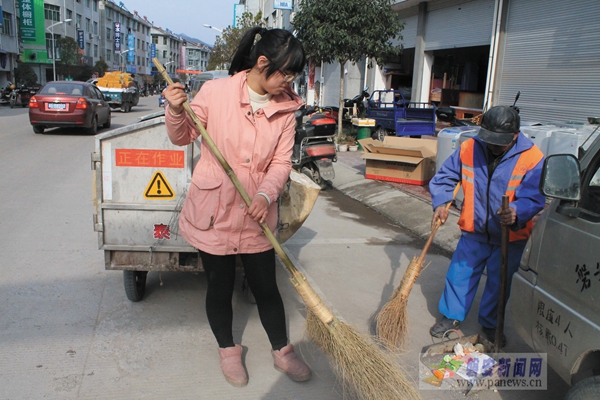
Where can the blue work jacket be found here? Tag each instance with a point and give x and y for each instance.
(488, 190)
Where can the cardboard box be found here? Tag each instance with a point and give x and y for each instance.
(400, 159)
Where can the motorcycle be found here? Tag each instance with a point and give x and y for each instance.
(20, 97)
(314, 150)
(354, 107)
(6, 93)
(357, 102)
(161, 100)
(448, 114)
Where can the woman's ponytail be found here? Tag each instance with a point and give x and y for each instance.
(280, 47)
(241, 58)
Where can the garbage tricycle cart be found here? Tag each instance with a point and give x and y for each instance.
(140, 182)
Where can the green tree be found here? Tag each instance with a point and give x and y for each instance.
(69, 62)
(226, 43)
(346, 31)
(82, 73)
(24, 75)
(100, 67)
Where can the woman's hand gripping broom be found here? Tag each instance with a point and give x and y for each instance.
(362, 366)
(392, 320)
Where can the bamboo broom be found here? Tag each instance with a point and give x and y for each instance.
(362, 366)
(392, 320)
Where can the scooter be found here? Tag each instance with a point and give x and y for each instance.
(314, 151)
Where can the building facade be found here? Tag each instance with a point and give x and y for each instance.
(168, 49)
(103, 29)
(480, 53)
(125, 39)
(9, 42)
(476, 54)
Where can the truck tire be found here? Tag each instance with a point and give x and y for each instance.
(128, 107)
(587, 389)
(135, 284)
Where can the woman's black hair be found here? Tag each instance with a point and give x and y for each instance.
(280, 47)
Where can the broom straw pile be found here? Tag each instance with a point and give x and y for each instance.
(362, 366)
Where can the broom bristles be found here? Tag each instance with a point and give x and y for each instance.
(392, 320)
(366, 370)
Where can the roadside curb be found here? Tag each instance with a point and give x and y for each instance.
(405, 210)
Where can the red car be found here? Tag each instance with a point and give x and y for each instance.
(69, 104)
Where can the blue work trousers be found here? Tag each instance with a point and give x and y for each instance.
(462, 279)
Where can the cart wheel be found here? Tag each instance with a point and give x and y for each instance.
(380, 134)
(135, 284)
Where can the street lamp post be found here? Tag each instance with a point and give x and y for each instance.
(213, 27)
(167, 63)
(51, 27)
(121, 59)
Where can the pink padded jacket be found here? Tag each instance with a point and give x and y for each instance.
(258, 147)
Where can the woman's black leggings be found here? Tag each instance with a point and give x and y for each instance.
(259, 269)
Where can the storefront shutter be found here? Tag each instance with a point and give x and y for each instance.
(460, 25)
(552, 55)
(409, 33)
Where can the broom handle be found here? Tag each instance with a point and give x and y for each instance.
(437, 224)
(503, 279)
(234, 179)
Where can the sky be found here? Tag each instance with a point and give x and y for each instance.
(186, 16)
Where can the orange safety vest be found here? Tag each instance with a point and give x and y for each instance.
(528, 159)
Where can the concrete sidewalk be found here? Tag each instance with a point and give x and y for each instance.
(408, 206)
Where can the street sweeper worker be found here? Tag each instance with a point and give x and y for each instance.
(250, 117)
(498, 161)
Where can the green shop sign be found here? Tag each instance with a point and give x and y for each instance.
(33, 31)
(29, 9)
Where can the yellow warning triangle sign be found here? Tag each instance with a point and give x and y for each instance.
(159, 188)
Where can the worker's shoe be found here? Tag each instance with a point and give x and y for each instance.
(231, 365)
(490, 333)
(285, 361)
(443, 326)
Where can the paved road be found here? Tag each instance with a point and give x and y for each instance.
(67, 330)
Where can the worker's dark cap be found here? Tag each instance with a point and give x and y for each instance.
(498, 125)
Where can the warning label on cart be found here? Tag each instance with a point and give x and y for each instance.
(149, 158)
(159, 188)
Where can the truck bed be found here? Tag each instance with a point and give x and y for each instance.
(393, 113)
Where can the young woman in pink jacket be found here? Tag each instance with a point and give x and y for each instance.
(250, 117)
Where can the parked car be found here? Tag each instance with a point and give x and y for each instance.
(203, 78)
(69, 104)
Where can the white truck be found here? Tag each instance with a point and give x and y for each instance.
(557, 287)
